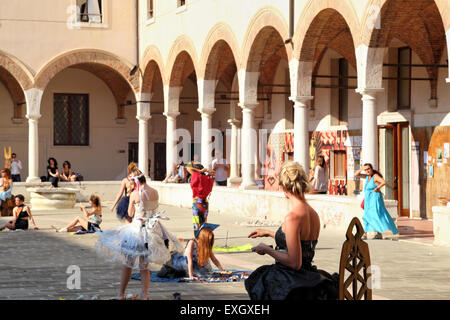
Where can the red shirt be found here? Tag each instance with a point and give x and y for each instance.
(201, 185)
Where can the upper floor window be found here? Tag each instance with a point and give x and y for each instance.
(404, 78)
(90, 11)
(71, 119)
(150, 9)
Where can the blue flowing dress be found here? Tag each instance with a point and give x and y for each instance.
(376, 217)
(6, 194)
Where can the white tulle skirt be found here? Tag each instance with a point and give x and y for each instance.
(137, 245)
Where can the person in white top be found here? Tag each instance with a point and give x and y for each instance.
(143, 241)
(221, 167)
(16, 166)
(320, 180)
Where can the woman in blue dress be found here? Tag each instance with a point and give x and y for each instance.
(376, 218)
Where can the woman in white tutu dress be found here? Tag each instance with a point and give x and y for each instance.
(143, 241)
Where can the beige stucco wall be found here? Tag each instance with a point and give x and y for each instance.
(35, 32)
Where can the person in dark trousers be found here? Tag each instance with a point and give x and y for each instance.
(52, 172)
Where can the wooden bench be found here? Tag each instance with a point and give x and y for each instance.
(355, 258)
(7, 207)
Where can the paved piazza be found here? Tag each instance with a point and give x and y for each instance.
(34, 263)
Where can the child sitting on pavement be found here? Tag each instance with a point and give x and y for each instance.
(196, 259)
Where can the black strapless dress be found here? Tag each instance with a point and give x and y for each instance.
(280, 282)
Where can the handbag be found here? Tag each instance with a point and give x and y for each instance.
(362, 204)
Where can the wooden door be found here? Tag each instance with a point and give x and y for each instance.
(133, 152)
(396, 163)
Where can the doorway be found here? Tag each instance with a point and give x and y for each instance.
(394, 163)
(160, 161)
(133, 152)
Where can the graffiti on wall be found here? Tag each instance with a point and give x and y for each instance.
(274, 160)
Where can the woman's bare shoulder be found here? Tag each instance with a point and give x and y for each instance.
(154, 195)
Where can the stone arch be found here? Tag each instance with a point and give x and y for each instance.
(114, 71)
(264, 47)
(264, 23)
(16, 78)
(372, 12)
(220, 37)
(87, 56)
(181, 52)
(420, 24)
(313, 9)
(153, 69)
(327, 29)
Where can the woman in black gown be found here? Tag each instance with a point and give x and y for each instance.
(292, 277)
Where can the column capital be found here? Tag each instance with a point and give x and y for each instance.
(171, 114)
(302, 99)
(248, 105)
(33, 116)
(206, 111)
(143, 118)
(143, 97)
(233, 122)
(369, 91)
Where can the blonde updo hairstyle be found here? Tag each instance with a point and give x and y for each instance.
(293, 179)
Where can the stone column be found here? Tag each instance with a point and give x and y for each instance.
(171, 142)
(143, 115)
(248, 150)
(33, 148)
(301, 131)
(33, 98)
(206, 143)
(369, 126)
(234, 178)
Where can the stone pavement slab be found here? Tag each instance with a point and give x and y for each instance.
(34, 264)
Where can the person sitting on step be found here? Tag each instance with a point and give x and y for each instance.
(22, 214)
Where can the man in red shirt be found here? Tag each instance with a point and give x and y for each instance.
(202, 182)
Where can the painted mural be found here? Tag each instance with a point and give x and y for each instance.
(274, 160)
(282, 145)
(322, 142)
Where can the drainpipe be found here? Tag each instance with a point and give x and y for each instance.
(137, 67)
(291, 22)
